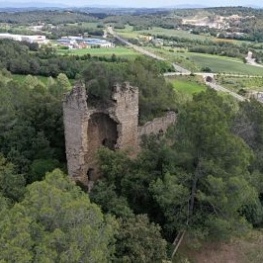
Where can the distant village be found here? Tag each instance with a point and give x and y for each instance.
(71, 42)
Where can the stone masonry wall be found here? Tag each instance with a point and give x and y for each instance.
(75, 115)
(115, 126)
(126, 112)
(157, 125)
(88, 128)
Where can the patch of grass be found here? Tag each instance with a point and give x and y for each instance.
(246, 249)
(252, 246)
(90, 24)
(187, 85)
(223, 64)
(128, 32)
(21, 78)
(103, 52)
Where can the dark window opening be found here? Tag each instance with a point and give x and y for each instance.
(90, 174)
(109, 143)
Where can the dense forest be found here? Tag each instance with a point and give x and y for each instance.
(204, 177)
(52, 17)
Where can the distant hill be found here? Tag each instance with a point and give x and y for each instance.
(17, 5)
(33, 5)
(189, 6)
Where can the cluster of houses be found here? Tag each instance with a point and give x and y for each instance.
(40, 39)
(76, 42)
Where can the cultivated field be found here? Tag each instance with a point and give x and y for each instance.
(196, 61)
(221, 64)
(128, 32)
(237, 83)
(103, 52)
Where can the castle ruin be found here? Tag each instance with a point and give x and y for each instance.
(115, 126)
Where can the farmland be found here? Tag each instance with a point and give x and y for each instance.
(197, 61)
(123, 52)
(237, 83)
(130, 33)
(222, 64)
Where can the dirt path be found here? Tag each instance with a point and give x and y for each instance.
(241, 250)
(252, 61)
(224, 253)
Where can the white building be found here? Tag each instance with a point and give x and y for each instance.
(40, 39)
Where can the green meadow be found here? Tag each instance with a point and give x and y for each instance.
(218, 64)
(128, 32)
(103, 52)
(21, 78)
(187, 85)
(223, 64)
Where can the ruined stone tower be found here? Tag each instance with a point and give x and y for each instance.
(115, 126)
(88, 128)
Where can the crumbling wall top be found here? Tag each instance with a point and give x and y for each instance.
(120, 89)
(77, 98)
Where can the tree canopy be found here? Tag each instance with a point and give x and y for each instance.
(55, 222)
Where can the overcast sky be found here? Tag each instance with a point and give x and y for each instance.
(146, 3)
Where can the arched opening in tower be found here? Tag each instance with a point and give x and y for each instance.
(102, 131)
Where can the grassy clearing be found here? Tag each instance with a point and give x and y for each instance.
(21, 78)
(128, 32)
(103, 52)
(187, 85)
(239, 250)
(90, 24)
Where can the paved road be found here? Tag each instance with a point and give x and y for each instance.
(146, 52)
(205, 74)
(182, 71)
(139, 49)
(221, 88)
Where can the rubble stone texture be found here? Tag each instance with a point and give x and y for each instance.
(87, 128)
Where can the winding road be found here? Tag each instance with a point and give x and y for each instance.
(180, 70)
